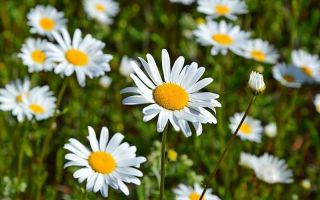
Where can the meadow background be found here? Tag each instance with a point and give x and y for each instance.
(144, 26)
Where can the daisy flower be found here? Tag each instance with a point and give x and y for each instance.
(33, 54)
(125, 66)
(309, 64)
(256, 82)
(272, 170)
(184, 192)
(108, 163)
(317, 102)
(221, 36)
(82, 56)
(40, 103)
(259, 50)
(105, 81)
(288, 76)
(222, 8)
(185, 2)
(251, 128)
(176, 98)
(270, 130)
(12, 97)
(101, 10)
(45, 20)
(247, 160)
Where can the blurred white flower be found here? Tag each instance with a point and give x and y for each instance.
(247, 160)
(251, 128)
(221, 36)
(184, 192)
(34, 55)
(306, 184)
(108, 163)
(185, 2)
(256, 82)
(309, 64)
(259, 50)
(288, 76)
(270, 130)
(101, 10)
(126, 67)
(177, 99)
(45, 20)
(222, 8)
(83, 56)
(105, 81)
(317, 102)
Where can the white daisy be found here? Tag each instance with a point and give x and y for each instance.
(251, 128)
(12, 97)
(176, 99)
(288, 76)
(309, 64)
(247, 160)
(272, 170)
(101, 10)
(270, 130)
(105, 81)
(221, 36)
(33, 54)
(40, 103)
(256, 82)
(317, 102)
(108, 163)
(125, 66)
(184, 192)
(44, 20)
(185, 2)
(84, 56)
(225, 8)
(259, 50)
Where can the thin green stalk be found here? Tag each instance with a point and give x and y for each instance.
(21, 152)
(233, 137)
(163, 161)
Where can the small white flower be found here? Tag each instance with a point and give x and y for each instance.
(40, 103)
(317, 102)
(45, 20)
(101, 10)
(126, 67)
(309, 64)
(306, 184)
(108, 163)
(83, 56)
(270, 130)
(105, 81)
(247, 160)
(12, 97)
(33, 54)
(288, 76)
(272, 170)
(256, 82)
(251, 128)
(184, 192)
(221, 36)
(259, 50)
(185, 2)
(222, 8)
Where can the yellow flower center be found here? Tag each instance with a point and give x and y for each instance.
(171, 96)
(289, 78)
(222, 9)
(77, 57)
(99, 7)
(37, 109)
(38, 56)
(307, 70)
(222, 39)
(19, 98)
(47, 23)
(245, 128)
(172, 155)
(102, 162)
(194, 196)
(258, 55)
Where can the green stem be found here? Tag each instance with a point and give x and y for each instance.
(163, 156)
(233, 137)
(21, 152)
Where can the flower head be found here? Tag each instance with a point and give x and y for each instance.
(105, 81)
(270, 130)
(288, 76)
(101, 10)
(256, 82)
(108, 163)
(177, 98)
(83, 56)
(184, 192)
(126, 67)
(247, 160)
